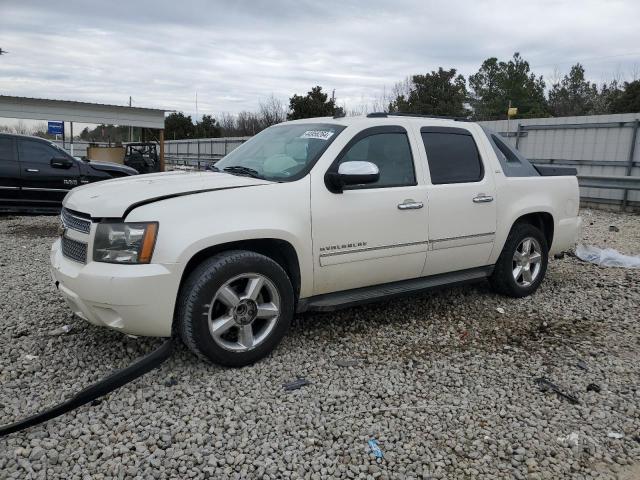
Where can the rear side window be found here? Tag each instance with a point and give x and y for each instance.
(452, 155)
(392, 155)
(36, 152)
(7, 153)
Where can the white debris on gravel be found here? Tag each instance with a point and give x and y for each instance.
(443, 382)
(606, 257)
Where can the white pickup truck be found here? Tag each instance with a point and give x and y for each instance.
(314, 214)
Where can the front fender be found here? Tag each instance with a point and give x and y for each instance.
(192, 223)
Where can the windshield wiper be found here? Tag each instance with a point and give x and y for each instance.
(245, 171)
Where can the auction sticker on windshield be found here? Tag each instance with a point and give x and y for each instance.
(319, 134)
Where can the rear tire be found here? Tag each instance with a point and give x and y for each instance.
(523, 262)
(235, 308)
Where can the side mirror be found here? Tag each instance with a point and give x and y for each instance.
(61, 162)
(352, 173)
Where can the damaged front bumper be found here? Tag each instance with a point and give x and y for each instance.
(132, 299)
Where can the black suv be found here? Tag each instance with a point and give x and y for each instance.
(36, 174)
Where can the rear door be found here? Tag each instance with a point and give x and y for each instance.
(9, 172)
(462, 200)
(42, 184)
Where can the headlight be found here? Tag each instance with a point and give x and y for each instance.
(125, 242)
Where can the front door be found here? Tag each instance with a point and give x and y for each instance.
(462, 201)
(43, 184)
(376, 233)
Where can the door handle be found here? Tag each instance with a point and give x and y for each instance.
(33, 170)
(410, 205)
(482, 198)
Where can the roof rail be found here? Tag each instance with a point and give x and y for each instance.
(403, 114)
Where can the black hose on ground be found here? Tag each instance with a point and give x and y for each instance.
(97, 390)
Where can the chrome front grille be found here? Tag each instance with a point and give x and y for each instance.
(75, 221)
(74, 250)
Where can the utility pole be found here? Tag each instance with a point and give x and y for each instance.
(130, 127)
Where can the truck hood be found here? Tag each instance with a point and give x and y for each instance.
(115, 198)
(111, 167)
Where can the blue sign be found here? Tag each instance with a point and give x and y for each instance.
(55, 128)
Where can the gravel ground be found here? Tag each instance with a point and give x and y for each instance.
(444, 382)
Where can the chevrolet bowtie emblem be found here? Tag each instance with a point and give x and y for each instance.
(61, 230)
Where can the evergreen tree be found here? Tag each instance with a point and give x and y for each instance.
(435, 93)
(497, 83)
(314, 104)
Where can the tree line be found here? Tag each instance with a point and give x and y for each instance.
(315, 103)
(484, 95)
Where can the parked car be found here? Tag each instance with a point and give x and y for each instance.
(313, 214)
(36, 174)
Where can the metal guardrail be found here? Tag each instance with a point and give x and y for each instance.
(598, 181)
(576, 126)
(614, 182)
(589, 163)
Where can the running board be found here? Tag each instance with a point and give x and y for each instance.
(358, 296)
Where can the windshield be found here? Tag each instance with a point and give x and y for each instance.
(282, 152)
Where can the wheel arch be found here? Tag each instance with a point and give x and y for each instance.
(542, 220)
(280, 251)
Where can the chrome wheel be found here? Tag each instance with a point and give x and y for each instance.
(527, 262)
(243, 312)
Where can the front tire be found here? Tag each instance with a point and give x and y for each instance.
(523, 262)
(235, 308)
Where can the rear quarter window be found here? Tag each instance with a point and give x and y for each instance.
(513, 163)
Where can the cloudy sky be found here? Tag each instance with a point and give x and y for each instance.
(236, 53)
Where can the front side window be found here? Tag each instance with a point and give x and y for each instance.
(59, 151)
(36, 152)
(391, 153)
(282, 152)
(452, 157)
